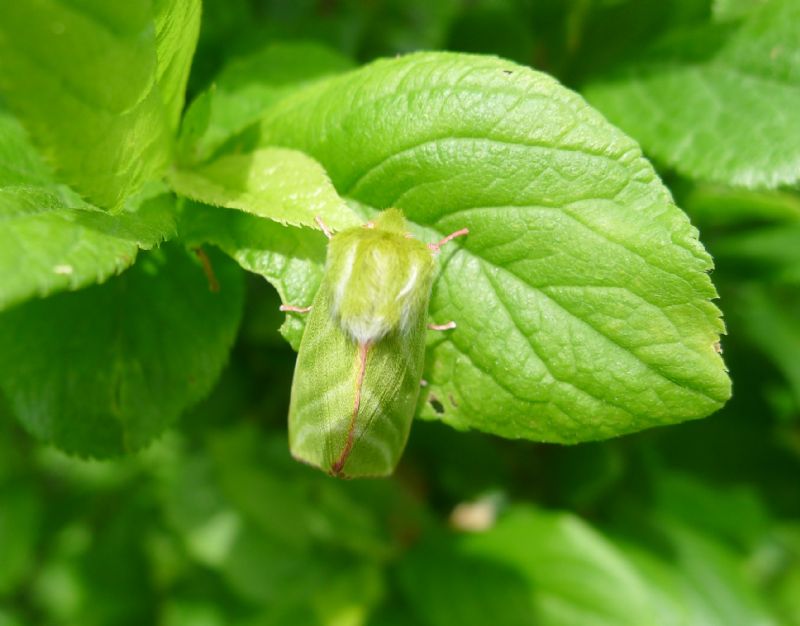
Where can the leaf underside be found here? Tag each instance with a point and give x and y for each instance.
(136, 352)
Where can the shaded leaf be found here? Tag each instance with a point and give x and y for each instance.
(446, 587)
(574, 574)
(20, 526)
(246, 87)
(132, 354)
(283, 537)
(725, 116)
(291, 259)
(769, 319)
(771, 252)
(177, 25)
(714, 205)
(51, 240)
(116, 71)
(713, 577)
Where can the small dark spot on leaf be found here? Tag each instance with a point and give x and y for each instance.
(507, 72)
(452, 399)
(436, 405)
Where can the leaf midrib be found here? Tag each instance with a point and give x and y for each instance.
(352, 191)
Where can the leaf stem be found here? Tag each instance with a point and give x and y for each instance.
(208, 270)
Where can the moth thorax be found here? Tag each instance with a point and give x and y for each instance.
(380, 282)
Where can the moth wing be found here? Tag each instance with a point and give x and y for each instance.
(325, 388)
(388, 403)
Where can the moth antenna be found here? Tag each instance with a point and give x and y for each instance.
(435, 247)
(294, 309)
(323, 227)
(448, 326)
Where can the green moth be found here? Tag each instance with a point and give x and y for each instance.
(359, 368)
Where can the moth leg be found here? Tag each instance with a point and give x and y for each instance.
(294, 309)
(448, 326)
(435, 247)
(213, 283)
(323, 227)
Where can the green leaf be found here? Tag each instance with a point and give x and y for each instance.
(574, 575)
(99, 85)
(291, 259)
(283, 185)
(46, 247)
(131, 355)
(177, 25)
(702, 550)
(715, 206)
(80, 580)
(553, 569)
(786, 592)
(601, 34)
(255, 473)
(772, 252)
(20, 521)
(714, 595)
(447, 587)
(9, 619)
(769, 318)
(193, 613)
(714, 579)
(282, 536)
(581, 293)
(726, 10)
(734, 515)
(50, 240)
(671, 595)
(726, 117)
(503, 29)
(20, 163)
(246, 87)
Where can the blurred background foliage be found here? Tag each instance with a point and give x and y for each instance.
(214, 525)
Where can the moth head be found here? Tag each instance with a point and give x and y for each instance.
(379, 278)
